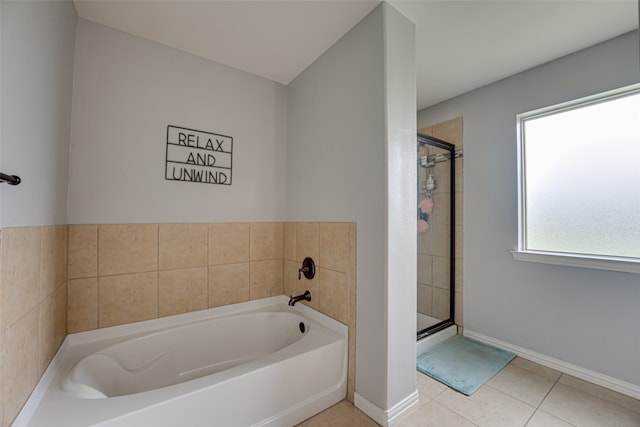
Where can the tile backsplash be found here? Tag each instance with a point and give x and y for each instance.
(33, 309)
(122, 273)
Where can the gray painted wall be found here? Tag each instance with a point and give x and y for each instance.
(585, 317)
(126, 92)
(36, 78)
(345, 153)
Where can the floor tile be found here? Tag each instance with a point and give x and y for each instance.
(508, 400)
(522, 384)
(601, 392)
(433, 414)
(542, 419)
(487, 407)
(585, 410)
(536, 368)
(342, 414)
(428, 388)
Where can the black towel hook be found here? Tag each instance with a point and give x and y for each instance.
(10, 179)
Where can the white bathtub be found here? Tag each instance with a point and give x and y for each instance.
(260, 363)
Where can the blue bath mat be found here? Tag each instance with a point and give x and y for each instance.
(462, 363)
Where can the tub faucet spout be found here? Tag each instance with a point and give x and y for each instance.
(306, 296)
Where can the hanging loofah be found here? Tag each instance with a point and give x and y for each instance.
(423, 226)
(426, 205)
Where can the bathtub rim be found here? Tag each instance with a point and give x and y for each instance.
(121, 333)
(144, 326)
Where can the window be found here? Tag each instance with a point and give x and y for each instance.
(579, 176)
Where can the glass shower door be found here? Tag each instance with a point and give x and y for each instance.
(436, 228)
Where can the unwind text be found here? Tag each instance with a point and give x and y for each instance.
(197, 156)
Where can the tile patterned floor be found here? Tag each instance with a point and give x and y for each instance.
(522, 394)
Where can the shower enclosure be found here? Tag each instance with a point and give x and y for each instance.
(436, 235)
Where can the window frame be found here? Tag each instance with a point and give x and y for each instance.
(601, 262)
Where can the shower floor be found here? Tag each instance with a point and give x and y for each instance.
(424, 321)
(432, 340)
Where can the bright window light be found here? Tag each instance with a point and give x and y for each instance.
(580, 177)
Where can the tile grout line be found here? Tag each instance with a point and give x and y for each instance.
(449, 409)
(536, 408)
(598, 397)
(545, 398)
(433, 400)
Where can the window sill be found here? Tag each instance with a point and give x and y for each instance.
(626, 265)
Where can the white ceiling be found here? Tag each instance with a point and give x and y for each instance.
(461, 45)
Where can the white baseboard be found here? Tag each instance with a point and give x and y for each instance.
(594, 377)
(391, 416)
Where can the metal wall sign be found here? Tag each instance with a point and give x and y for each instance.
(198, 156)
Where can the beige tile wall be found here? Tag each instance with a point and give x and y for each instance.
(123, 273)
(33, 309)
(333, 248)
(433, 285)
(129, 272)
(59, 279)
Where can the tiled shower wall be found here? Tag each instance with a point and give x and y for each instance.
(433, 297)
(33, 309)
(126, 273)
